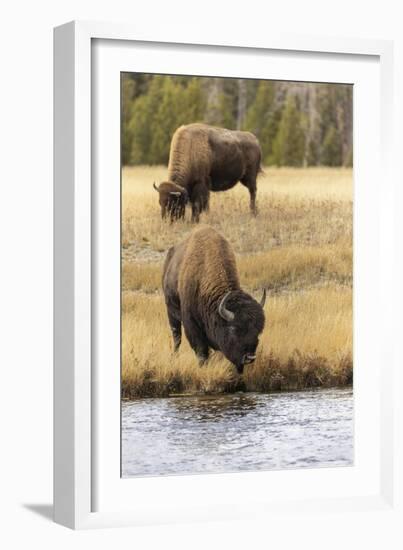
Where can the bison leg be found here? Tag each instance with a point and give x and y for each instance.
(206, 203)
(196, 212)
(177, 335)
(197, 339)
(250, 182)
(176, 328)
(253, 208)
(173, 311)
(199, 199)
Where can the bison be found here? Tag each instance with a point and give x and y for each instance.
(203, 158)
(202, 292)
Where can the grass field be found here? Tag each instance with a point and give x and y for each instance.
(299, 247)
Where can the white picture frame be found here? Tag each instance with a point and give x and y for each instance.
(82, 432)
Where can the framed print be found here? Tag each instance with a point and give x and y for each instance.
(230, 377)
(221, 317)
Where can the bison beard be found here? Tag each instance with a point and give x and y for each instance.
(203, 158)
(173, 199)
(202, 292)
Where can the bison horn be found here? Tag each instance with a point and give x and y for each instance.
(263, 299)
(155, 187)
(223, 311)
(175, 193)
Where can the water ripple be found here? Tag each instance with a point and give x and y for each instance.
(237, 432)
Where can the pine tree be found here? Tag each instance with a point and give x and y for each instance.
(139, 131)
(289, 143)
(219, 108)
(241, 103)
(331, 153)
(263, 117)
(287, 117)
(141, 124)
(127, 87)
(312, 132)
(193, 103)
(165, 120)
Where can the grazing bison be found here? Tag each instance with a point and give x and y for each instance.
(202, 292)
(203, 159)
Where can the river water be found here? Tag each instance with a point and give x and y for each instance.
(237, 432)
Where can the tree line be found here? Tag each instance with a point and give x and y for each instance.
(298, 124)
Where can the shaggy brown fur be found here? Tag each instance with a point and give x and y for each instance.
(198, 273)
(203, 158)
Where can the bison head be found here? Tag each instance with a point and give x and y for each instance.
(242, 321)
(173, 199)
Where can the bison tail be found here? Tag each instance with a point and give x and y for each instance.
(260, 167)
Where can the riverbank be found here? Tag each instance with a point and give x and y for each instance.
(299, 247)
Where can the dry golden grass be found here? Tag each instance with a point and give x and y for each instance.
(303, 207)
(290, 267)
(306, 342)
(299, 247)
